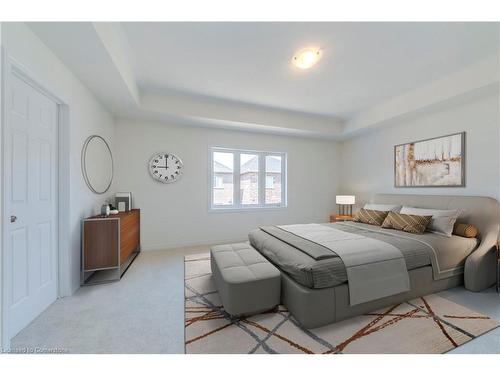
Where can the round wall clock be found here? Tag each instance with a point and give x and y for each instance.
(165, 167)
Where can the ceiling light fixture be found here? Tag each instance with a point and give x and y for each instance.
(306, 57)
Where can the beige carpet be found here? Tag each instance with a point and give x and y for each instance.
(424, 325)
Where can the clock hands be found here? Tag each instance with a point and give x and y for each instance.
(166, 163)
(166, 167)
(166, 172)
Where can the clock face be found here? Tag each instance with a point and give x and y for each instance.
(165, 167)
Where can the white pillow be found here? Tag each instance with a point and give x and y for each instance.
(442, 221)
(382, 207)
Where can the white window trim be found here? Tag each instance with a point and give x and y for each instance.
(237, 206)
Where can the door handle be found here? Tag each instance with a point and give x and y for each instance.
(13, 218)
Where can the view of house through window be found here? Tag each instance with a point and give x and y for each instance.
(222, 172)
(273, 179)
(249, 178)
(246, 179)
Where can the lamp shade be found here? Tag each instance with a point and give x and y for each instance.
(345, 199)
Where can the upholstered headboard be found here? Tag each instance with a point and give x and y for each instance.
(483, 212)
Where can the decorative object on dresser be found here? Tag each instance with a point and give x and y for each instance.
(123, 201)
(345, 203)
(335, 218)
(97, 164)
(109, 246)
(435, 162)
(105, 210)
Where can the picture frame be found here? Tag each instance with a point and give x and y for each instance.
(431, 162)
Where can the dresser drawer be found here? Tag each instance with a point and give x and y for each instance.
(110, 244)
(100, 244)
(129, 235)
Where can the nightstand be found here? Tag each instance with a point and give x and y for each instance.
(337, 218)
(498, 266)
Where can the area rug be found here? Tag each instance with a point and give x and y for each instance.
(429, 324)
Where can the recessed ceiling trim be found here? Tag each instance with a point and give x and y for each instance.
(480, 75)
(98, 56)
(249, 116)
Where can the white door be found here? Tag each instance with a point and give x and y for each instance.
(30, 197)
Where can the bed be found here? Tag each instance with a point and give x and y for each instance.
(316, 290)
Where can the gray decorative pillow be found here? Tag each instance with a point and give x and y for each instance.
(442, 221)
(382, 207)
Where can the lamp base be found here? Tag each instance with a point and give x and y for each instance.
(345, 209)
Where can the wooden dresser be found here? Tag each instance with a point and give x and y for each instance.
(109, 245)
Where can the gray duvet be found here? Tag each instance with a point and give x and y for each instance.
(446, 254)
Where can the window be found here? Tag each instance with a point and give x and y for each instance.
(218, 182)
(243, 179)
(269, 182)
(222, 170)
(274, 177)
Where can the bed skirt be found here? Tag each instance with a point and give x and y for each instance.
(318, 307)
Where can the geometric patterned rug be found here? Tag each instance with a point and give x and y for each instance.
(430, 324)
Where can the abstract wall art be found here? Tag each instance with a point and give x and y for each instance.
(435, 162)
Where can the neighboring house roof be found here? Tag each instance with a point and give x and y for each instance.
(273, 165)
(221, 168)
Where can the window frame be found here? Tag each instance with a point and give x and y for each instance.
(237, 205)
(215, 186)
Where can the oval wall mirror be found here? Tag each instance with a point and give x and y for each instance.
(97, 164)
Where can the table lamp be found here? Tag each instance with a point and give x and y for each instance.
(345, 203)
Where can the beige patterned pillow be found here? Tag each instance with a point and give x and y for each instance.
(407, 223)
(465, 230)
(372, 217)
(442, 220)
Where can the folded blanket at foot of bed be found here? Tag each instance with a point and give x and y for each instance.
(375, 269)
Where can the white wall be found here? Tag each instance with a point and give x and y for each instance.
(86, 117)
(367, 160)
(175, 215)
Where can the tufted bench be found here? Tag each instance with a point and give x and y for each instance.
(246, 281)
